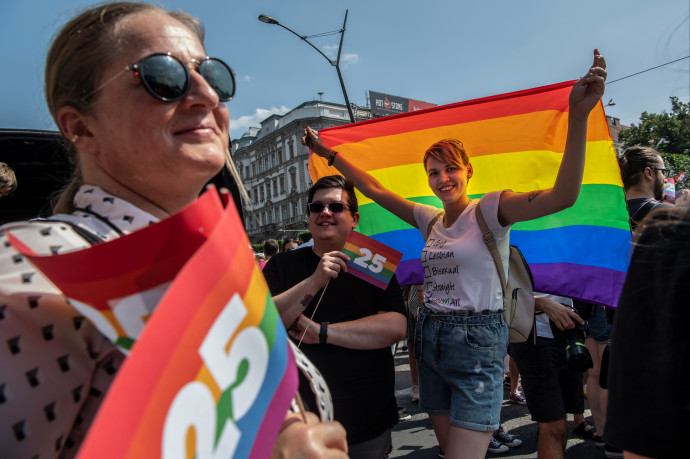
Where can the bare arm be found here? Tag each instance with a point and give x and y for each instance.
(371, 332)
(291, 303)
(586, 92)
(560, 315)
(367, 184)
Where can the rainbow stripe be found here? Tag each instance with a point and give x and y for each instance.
(370, 260)
(229, 400)
(515, 141)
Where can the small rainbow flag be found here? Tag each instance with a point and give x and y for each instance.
(370, 260)
(515, 141)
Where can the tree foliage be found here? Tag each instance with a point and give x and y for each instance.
(677, 164)
(666, 132)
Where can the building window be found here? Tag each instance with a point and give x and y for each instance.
(261, 190)
(282, 184)
(275, 187)
(292, 150)
(293, 179)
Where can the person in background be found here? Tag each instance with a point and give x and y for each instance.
(552, 390)
(142, 110)
(683, 197)
(644, 176)
(271, 247)
(414, 297)
(648, 411)
(290, 244)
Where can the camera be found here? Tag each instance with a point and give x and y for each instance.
(573, 340)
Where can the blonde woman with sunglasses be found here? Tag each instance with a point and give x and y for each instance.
(142, 110)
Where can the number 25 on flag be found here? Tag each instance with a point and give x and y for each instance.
(376, 265)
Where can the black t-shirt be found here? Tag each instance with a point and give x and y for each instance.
(648, 405)
(362, 382)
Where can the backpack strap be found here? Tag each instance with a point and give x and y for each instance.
(645, 209)
(432, 223)
(490, 242)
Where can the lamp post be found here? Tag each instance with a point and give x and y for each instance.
(335, 63)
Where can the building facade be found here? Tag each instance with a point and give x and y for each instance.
(272, 163)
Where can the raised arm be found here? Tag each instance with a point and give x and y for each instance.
(368, 185)
(586, 92)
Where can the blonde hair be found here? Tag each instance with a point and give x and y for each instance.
(447, 151)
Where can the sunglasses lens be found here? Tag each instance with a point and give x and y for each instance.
(336, 207)
(164, 76)
(316, 207)
(219, 76)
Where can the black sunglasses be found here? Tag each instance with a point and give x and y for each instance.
(664, 172)
(334, 207)
(167, 78)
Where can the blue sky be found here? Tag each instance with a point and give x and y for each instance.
(436, 51)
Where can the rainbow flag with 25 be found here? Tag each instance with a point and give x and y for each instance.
(370, 260)
(211, 373)
(514, 141)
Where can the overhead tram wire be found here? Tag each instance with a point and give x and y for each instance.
(647, 70)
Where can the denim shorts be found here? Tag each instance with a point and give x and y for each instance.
(460, 363)
(599, 328)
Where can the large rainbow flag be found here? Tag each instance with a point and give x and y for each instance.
(515, 141)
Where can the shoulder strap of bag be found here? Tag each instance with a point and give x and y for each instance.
(490, 242)
(432, 223)
(645, 209)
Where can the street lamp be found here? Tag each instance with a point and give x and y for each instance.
(335, 63)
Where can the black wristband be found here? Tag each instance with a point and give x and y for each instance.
(323, 333)
(332, 158)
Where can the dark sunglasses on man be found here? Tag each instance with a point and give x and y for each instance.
(317, 207)
(167, 78)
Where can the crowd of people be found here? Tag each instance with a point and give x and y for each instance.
(131, 88)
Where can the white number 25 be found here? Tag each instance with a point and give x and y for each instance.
(376, 265)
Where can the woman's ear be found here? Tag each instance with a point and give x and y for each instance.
(74, 126)
(470, 171)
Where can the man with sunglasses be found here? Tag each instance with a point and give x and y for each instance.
(644, 178)
(345, 325)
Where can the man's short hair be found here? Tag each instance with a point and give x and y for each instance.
(633, 161)
(335, 181)
(271, 247)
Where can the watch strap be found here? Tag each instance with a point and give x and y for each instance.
(323, 333)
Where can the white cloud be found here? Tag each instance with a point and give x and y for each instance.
(349, 58)
(345, 59)
(247, 78)
(239, 126)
